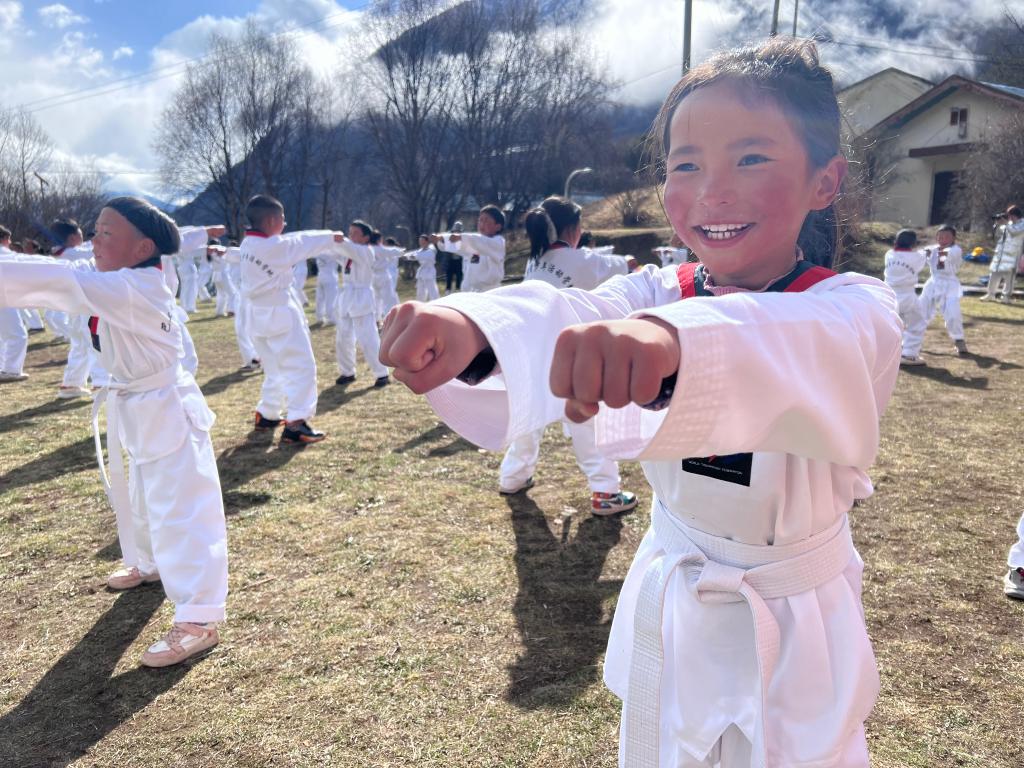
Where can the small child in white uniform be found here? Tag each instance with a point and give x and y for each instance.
(738, 639)
(170, 516)
(426, 272)
(942, 291)
(903, 263)
(357, 306)
(483, 251)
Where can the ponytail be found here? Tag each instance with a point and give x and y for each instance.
(819, 237)
(541, 231)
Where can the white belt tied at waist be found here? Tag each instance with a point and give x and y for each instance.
(817, 561)
(115, 484)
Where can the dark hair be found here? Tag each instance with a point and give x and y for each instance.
(366, 228)
(260, 207)
(375, 237)
(495, 213)
(787, 72)
(390, 241)
(28, 241)
(5, 233)
(150, 221)
(62, 229)
(586, 238)
(548, 221)
(946, 228)
(1013, 210)
(424, 237)
(233, 243)
(905, 239)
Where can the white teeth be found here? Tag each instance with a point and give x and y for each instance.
(723, 231)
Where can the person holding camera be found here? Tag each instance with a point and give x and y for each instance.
(1009, 244)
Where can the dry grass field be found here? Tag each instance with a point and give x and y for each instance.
(388, 608)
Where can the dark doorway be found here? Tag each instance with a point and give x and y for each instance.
(942, 192)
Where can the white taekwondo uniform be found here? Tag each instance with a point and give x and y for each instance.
(276, 321)
(483, 259)
(385, 278)
(13, 336)
(83, 362)
(222, 282)
(246, 348)
(942, 291)
(170, 515)
(739, 637)
(1006, 259)
(205, 275)
(426, 273)
(326, 290)
(565, 267)
(189, 276)
(901, 270)
(300, 272)
(357, 307)
(670, 255)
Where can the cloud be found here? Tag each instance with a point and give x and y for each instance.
(124, 52)
(59, 16)
(10, 15)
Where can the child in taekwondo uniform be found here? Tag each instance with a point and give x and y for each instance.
(902, 265)
(739, 636)
(170, 516)
(356, 311)
(426, 272)
(556, 258)
(385, 273)
(276, 321)
(942, 290)
(483, 252)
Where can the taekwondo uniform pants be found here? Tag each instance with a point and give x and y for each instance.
(58, 322)
(83, 361)
(281, 338)
(1001, 281)
(361, 329)
(387, 297)
(326, 299)
(189, 287)
(521, 459)
(426, 289)
(299, 274)
(246, 348)
(914, 323)
(944, 296)
(225, 294)
(13, 341)
(32, 319)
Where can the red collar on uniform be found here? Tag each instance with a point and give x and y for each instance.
(255, 233)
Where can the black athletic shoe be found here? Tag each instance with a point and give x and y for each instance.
(383, 381)
(344, 379)
(301, 433)
(262, 422)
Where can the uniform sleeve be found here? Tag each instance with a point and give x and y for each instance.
(804, 373)
(491, 249)
(955, 258)
(346, 249)
(192, 238)
(521, 324)
(306, 245)
(76, 291)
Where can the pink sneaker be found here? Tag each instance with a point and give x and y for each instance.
(129, 578)
(182, 642)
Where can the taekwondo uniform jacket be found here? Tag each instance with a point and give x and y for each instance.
(356, 297)
(742, 606)
(483, 261)
(565, 267)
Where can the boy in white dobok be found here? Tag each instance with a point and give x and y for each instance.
(385, 273)
(483, 251)
(902, 265)
(246, 349)
(276, 320)
(170, 516)
(83, 362)
(356, 312)
(1006, 256)
(426, 272)
(13, 336)
(942, 291)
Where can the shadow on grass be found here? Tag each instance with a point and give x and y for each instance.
(218, 384)
(77, 702)
(558, 606)
(441, 431)
(238, 465)
(25, 417)
(944, 376)
(332, 398)
(62, 461)
(984, 361)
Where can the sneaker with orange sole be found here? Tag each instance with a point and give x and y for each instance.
(300, 432)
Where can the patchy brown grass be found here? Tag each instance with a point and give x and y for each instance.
(388, 608)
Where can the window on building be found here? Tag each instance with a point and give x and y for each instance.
(958, 117)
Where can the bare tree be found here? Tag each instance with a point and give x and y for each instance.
(993, 176)
(25, 150)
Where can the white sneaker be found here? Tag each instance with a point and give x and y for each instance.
(1013, 583)
(182, 642)
(911, 361)
(70, 393)
(6, 376)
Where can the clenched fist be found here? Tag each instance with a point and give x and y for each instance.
(616, 362)
(428, 345)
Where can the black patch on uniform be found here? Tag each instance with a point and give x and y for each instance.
(734, 468)
(474, 259)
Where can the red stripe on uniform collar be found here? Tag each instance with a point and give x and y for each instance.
(255, 233)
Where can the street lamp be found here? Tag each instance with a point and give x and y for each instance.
(573, 175)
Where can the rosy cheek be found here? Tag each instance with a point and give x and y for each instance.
(677, 206)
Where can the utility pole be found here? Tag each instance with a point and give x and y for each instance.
(796, 12)
(687, 26)
(775, 19)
